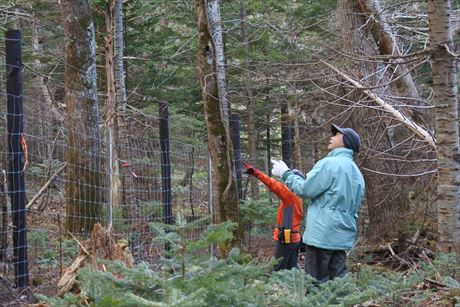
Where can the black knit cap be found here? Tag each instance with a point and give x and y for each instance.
(351, 139)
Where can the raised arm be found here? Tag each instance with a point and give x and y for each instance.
(280, 190)
(318, 180)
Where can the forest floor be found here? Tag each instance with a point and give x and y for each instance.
(386, 257)
(45, 271)
(261, 250)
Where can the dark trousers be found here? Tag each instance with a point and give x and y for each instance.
(325, 264)
(288, 254)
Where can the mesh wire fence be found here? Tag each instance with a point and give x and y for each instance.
(50, 190)
(77, 175)
(81, 170)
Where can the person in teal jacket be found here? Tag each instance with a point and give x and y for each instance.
(335, 187)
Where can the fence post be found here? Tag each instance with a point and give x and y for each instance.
(286, 144)
(4, 205)
(16, 157)
(210, 190)
(269, 154)
(269, 148)
(235, 137)
(286, 135)
(110, 168)
(165, 165)
(210, 195)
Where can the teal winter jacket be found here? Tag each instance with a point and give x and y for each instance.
(335, 187)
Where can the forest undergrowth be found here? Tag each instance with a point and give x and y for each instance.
(189, 277)
(192, 274)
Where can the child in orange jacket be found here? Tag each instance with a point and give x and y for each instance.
(289, 217)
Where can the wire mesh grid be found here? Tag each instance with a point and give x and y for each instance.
(69, 186)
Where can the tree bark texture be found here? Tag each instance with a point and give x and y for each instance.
(296, 148)
(122, 137)
(215, 28)
(219, 143)
(387, 45)
(84, 169)
(42, 80)
(111, 107)
(252, 140)
(286, 134)
(53, 117)
(444, 65)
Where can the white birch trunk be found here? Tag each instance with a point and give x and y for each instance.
(213, 14)
(219, 143)
(444, 64)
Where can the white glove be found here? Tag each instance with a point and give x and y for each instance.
(279, 168)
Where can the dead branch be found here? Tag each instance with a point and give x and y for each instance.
(79, 243)
(436, 283)
(45, 186)
(399, 258)
(417, 129)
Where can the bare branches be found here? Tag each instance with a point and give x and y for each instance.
(417, 129)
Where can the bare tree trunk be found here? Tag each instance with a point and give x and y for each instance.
(111, 106)
(215, 28)
(53, 114)
(386, 202)
(118, 54)
(190, 172)
(122, 137)
(286, 134)
(252, 140)
(219, 143)
(444, 65)
(296, 151)
(84, 165)
(387, 45)
(41, 80)
(353, 39)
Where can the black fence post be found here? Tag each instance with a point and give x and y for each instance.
(4, 227)
(293, 162)
(269, 148)
(286, 144)
(16, 157)
(235, 137)
(165, 165)
(286, 135)
(269, 154)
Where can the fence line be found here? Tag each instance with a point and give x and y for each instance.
(16, 155)
(169, 180)
(165, 179)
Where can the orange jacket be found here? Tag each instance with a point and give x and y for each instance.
(289, 201)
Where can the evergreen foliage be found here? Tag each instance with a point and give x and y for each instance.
(286, 38)
(191, 277)
(257, 214)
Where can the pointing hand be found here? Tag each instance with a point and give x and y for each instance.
(279, 168)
